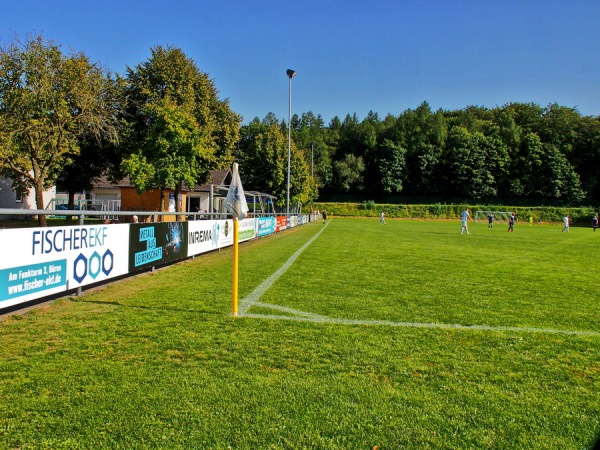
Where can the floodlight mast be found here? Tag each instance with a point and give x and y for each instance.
(291, 74)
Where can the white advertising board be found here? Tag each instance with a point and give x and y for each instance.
(207, 235)
(247, 230)
(37, 262)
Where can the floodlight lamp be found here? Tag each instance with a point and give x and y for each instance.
(290, 73)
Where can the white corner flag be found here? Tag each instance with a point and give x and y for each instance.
(236, 199)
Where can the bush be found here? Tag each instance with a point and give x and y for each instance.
(369, 208)
(367, 205)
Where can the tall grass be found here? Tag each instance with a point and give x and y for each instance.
(158, 362)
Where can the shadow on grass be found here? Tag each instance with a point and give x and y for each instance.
(146, 307)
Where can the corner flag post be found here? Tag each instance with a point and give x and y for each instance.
(234, 302)
(236, 206)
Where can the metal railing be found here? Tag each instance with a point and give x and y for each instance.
(121, 216)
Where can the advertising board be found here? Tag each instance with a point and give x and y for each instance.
(155, 244)
(247, 230)
(207, 235)
(265, 226)
(38, 262)
(280, 223)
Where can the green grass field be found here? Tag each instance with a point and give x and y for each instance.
(350, 336)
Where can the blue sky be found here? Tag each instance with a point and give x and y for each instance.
(350, 56)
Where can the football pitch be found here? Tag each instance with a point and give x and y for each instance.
(350, 335)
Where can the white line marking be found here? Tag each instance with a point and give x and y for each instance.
(324, 319)
(301, 316)
(289, 310)
(251, 299)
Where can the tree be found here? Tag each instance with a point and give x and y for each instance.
(262, 155)
(391, 165)
(560, 127)
(427, 175)
(48, 102)
(174, 152)
(548, 174)
(180, 129)
(82, 170)
(95, 158)
(348, 173)
(586, 155)
(310, 138)
(527, 116)
(475, 161)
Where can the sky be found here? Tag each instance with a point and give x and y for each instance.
(350, 57)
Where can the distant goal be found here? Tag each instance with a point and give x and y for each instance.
(498, 215)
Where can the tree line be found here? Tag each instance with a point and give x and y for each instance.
(66, 121)
(520, 153)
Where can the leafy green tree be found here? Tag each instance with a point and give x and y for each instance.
(348, 173)
(548, 174)
(311, 139)
(586, 156)
(82, 170)
(428, 175)
(49, 102)
(527, 116)
(475, 162)
(423, 134)
(472, 118)
(331, 140)
(174, 152)
(355, 138)
(560, 127)
(391, 165)
(180, 129)
(262, 156)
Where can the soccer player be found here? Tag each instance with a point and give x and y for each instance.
(565, 223)
(382, 217)
(490, 220)
(595, 222)
(511, 223)
(464, 217)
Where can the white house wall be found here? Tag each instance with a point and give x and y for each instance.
(8, 197)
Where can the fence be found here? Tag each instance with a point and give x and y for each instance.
(40, 262)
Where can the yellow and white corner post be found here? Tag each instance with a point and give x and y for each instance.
(234, 301)
(236, 206)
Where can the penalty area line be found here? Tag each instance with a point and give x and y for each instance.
(445, 326)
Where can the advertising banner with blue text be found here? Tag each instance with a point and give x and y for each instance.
(38, 262)
(266, 225)
(154, 244)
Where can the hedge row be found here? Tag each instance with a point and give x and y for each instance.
(443, 211)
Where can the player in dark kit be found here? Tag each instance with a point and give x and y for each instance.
(511, 223)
